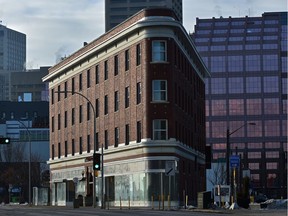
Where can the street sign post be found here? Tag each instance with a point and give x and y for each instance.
(234, 161)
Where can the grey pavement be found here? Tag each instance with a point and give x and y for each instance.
(16, 210)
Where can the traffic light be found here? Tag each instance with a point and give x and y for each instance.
(96, 161)
(4, 140)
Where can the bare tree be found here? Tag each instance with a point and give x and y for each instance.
(217, 176)
(14, 152)
(14, 167)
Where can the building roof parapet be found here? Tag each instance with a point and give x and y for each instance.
(146, 12)
(146, 17)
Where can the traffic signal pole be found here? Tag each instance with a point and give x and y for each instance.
(4, 140)
(102, 177)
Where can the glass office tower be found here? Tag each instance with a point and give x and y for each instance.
(12, 49)
(116, 11)
(246, 96)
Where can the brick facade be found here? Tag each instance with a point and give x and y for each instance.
(183, 110)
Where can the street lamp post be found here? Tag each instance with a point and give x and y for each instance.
(228, 134)
(29, 163)
(96, 147)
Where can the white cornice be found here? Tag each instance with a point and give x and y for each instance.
(139, 25)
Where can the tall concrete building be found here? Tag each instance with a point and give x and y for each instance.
(116, 11)
(144, 82)
(12, 49)
(246, 96)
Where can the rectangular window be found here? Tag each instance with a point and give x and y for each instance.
(52, 124)
(52, 96)
(236, 85)
(139, 131)
(58, 93)
(97, 74)
(88, 144)
(97, 108)
(127, 134)
(66, 148)
(80, 113)
(138, 93)
(116, 65)
(80, 145)
(65, 89)
(218, 64)
(116, 101)
(65, 119)
(106, 104)
(88, 111)
(116, 138)
(253, 84)
(59, 121)
(138, 54)
(53, 152)
(59, 150)
(106, 139)
(127, 97)
(80, 82)
(97, 141)
(73, 116)
(127, 60)
(159, 90)
(106, 70)
(160, 129)
(73, 147)
(73, 85)
(159, 51)
(88, 78)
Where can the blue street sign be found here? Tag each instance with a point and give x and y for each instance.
(234, 161)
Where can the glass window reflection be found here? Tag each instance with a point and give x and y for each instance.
(271, 128)
(272, 145)
(284, 85)
(236, 107)
(255, 131)
(218, 86)
(218, 64)
(270, 62)
(253, 84)
(252, 63)
(236, 85)
(271, 106)
(219, 108)
(253, 106)
(284, 128)
(255, 145)
(235, 63)
(271, 84)
(284, 61)
(218, 129)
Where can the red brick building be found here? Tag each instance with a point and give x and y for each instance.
(145, 82)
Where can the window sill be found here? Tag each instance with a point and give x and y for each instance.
(159, 62)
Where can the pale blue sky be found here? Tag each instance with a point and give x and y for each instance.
(57, 28)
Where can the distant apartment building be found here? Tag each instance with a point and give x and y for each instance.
(116, 11)
(247, 59)
(12, 49)
(27, 125)
(17, 120)
(24, 85)
(143, 81)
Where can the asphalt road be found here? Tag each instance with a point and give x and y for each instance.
(88, 211)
